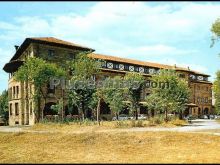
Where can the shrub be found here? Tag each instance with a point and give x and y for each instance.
(156, 120)
(137, 123)
(178, 122)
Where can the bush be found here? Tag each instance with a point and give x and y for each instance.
(156, 120)
(178, 122)
(137, 123)
(122, 124)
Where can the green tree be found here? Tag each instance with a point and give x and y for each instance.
(84, 70)
(216, 90)
(4, 105)
(216, 85)
(112, 93)
(38, 72)
(133, 91)
(171, 94)
(215, 29)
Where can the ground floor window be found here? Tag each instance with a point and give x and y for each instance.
(104, 108)
(143, 110)
(48, 110)
(10, 109)
(16, 109)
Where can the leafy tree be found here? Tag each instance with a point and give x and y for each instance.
(112, 93)
(38, 72)
(216, 85)
(171, 98)
(216, 89)
(133, 91)
(4, 105)
(84, 70)
(215, 29)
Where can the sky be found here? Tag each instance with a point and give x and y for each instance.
(163, 32)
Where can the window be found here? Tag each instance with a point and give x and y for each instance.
(136, 69)
(141, 70)
(16, 109)
(116, 66)
(14, 92)
(205, 78)
(146, 70)
(181, 75)
(200, 78)
(151, 71)
(30, 108)
(126, 67)
(10, 109)
(131, 68)
(109, 65)
(50, 90)
(51, 53)
(121, 67)
(193, 77)
(104, 64)
(10, 93)
(71, 56)
(17, 88)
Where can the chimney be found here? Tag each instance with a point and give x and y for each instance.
(188, 68)
(16, 47)
(174, 65)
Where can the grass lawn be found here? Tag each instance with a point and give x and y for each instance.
(138, 147)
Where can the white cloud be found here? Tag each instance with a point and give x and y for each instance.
(129, 29)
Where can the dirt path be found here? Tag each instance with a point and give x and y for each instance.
(197, 126)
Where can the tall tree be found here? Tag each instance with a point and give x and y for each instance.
(216, 89)
(38, 72)
(112, 92)
(133, 91)
(171, 94)
(216, 85)
(4, 105)
(215, 29)
(84, 70)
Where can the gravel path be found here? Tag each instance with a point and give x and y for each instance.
(197, 126)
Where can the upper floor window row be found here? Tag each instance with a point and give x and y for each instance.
(13, 92)
(51, 53)
(198, 77)
(129, 67)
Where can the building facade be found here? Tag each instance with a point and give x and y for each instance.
(21, 103)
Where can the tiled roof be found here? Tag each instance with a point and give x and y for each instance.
(58, 41)
(48, 41)
(142, 63)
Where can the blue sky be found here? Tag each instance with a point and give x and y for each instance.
(164, 32)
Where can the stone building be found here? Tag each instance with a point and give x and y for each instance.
(21, 104)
